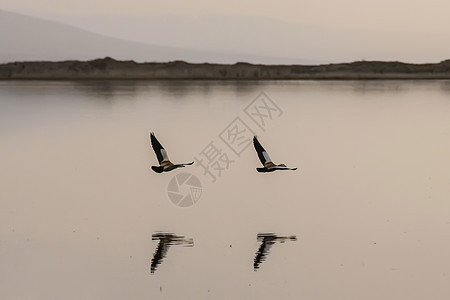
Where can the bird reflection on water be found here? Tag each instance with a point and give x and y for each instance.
(267, 240)
(166, 239)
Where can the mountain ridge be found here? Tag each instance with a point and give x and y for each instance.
(32, 38)
(108, 68)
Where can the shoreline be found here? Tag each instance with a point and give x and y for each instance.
(110, 69)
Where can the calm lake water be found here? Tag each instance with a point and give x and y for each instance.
(369, 203)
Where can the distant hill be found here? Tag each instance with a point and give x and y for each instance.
(25, 38)
(109, 68)
(297, 43)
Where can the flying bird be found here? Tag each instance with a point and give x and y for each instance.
(269, 166)
(166, 239)
(165, 165)
(267, 240)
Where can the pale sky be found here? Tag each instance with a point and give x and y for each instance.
(409, 15)
(305, 30)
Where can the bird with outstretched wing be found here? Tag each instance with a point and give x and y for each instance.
(268, 165)
(165, 165)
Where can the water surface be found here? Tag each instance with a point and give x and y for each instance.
(369, 203)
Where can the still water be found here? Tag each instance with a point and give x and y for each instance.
(369, 205)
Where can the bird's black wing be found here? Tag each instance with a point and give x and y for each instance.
(262, 252)
(160, 253)
(157, 147)
(166, 240)
(262, 153)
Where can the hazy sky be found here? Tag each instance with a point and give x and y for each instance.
(303, 31)
(411, 15)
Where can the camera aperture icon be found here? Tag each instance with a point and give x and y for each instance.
(184, 189)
